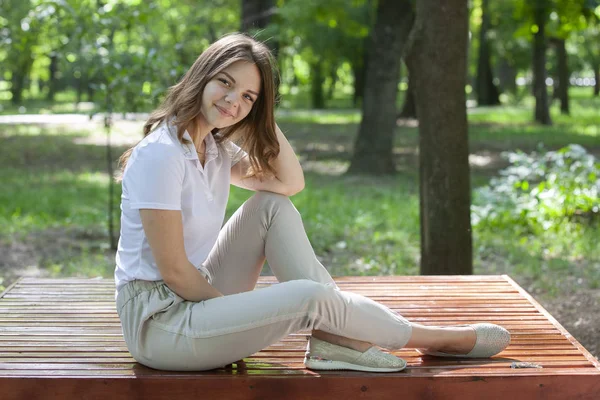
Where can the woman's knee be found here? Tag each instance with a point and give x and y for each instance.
(312, 291)
(270, 199)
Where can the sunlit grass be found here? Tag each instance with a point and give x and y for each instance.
(319, 116)
(38, 200)
(500, 115)
(64, 104)
(583, 111)
(11, 130)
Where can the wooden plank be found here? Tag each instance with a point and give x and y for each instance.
(296, 386)
(544, 363)
(273, 279)
(550, 318)
(296, 359)
(67, 331)
(10, 287)
(281, 365)
(110, 369)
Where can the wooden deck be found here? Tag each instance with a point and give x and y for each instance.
(61, 339)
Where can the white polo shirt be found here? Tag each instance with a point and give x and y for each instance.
(164, 174)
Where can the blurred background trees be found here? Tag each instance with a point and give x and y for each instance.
(77, 47)
(388, 59)
(127, 52)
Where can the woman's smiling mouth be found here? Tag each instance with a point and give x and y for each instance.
(224, 111)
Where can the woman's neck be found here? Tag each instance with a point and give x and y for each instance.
(199, 130)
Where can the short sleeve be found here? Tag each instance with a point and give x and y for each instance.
(154, 177)
(236, 152)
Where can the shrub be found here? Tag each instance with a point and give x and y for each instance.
(540, 191)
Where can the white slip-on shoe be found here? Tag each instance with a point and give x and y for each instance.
(321, 355)
(491, 340)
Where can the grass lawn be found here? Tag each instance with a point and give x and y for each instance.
(53, 208)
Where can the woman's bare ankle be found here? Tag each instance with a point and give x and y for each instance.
(460, 341)
(451, 339)
(342, 341)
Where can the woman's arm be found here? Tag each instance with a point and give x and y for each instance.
(164, 230)
(289, 178)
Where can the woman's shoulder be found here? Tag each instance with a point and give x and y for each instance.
(159, 144)
(229, 147)
(156, 151)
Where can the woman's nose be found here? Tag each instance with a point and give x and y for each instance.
(231, 98)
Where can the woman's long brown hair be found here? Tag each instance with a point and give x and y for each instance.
(184, 100)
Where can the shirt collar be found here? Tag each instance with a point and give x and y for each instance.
(188, 149)
(211, 148)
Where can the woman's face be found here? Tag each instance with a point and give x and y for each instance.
(230, 95)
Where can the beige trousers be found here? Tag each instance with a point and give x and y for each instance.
(164, 331)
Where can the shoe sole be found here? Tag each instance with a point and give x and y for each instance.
(447, 355)
(330, 365)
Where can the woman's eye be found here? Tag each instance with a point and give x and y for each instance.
(225, 81)
(249, 98)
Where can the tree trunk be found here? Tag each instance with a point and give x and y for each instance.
(562, 90)
(508, 76)
(19, 76)
(542, 112)
(359, 70)
(52, 77)
(16, 87)
(597, 79)
(108, 123)
(409, 108)
(82, 79)
(373, 148)
(91, 92)
(487, 92)
(79, 86)
(334, 77)
(437, 59)
(555, 88)
(316, 85)
(256, 14)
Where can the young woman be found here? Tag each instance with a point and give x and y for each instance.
(185, 284)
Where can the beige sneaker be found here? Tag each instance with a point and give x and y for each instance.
(491, 340)
(321, 355)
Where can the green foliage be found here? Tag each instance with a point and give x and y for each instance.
(131, 51)
(512, 28)
(137, 50)
(588, 41)
(320, 40)
(539, 192)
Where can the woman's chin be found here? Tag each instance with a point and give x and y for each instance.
(223, 124)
